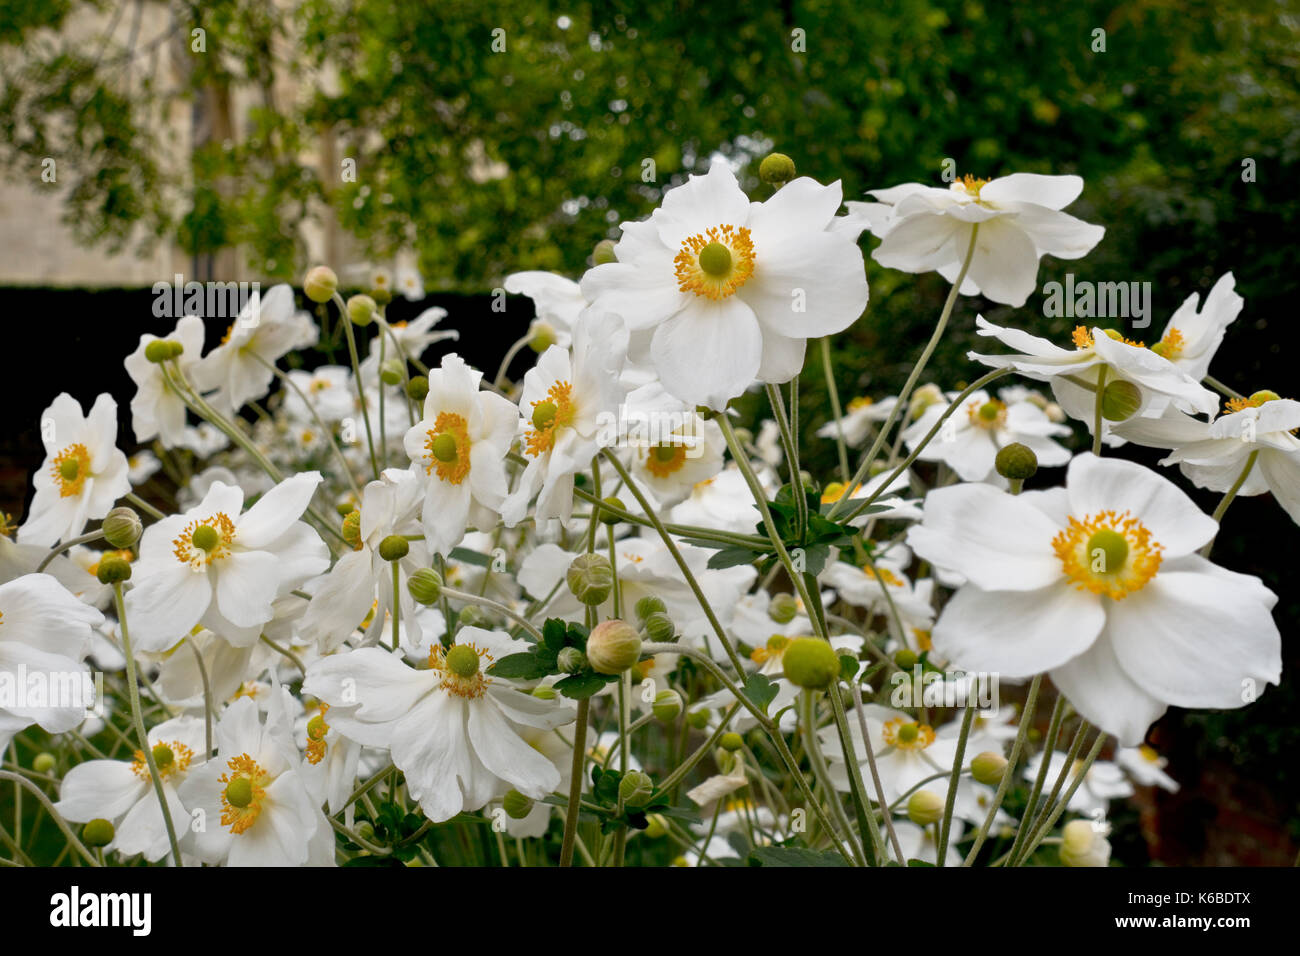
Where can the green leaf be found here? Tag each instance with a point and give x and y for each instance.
(523, 666)
(581, 686)
(848, 667)
(733, 557)
(466, 556)
(794, 856)
(759, 689)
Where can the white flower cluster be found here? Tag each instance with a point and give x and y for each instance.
(590, 607)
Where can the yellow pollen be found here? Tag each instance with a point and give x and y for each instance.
(237, 818)
(883, 575)
(834, 491)
(180, 762)
(126, 554)
(7, 526)
(71, 468)
(469, 688)
(776, 645)
(457, 467)
(922, 639)
(541, 438)
(715, 263)
(1082, 338)
(907, 734)
(860, 403)
(663, 460)
(1149, 753)
(1171, 345)
(187, 552)
(1087, 547)
(971, 185)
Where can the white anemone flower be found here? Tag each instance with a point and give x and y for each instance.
(678, 460)
(570, 403)
(860, 419)
(257, 807)
(459, 448)
(45, 634)
(454, 730)
(238, 370)
(1214, 454)
(122, 792)
(157, 411)
(558, 303)
(413, 338)
(217, 566)
(1193, 335)
(928, 229)
(969, 441)
(83, 473)
(733, 289)
(1147, 768)
(907, 750)
(328, 391)
(1074, 373)
(361, 581)
(1099, 585)
(1103, 782)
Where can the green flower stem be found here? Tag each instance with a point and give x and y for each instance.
(906, 463)
(397, 607)
(1046, 828)
(500, 379)
(346, 322)
(493, 605)
(383, 423)
(1222, 389)
(144, 506)
(1017, 859)
(945, 831)
(1096, 415)
(575, 782)
(836, 412)
(387, 330)
(790, 443)
(1049, 747)
(821, 772)
(1022, 734)
(868, 832)
(207, 699)
(133, 691)
(325, 429)
(366, 787)
(1228, 497)
(62, 546)
(20, 781)
(688, 764)
(284, 652)
(856, 690)
(676, 553)
(683, 530)
(865, 468)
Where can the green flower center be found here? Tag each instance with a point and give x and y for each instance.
(205, 537)
(163, 756)
(239, 792)
(462, 661)
(444, 447)
(908, 732)
(69, 469)
(715, 259)
(1113, 548)
(544, 415)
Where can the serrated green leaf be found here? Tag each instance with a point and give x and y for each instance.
(523, 666)
(761, 690)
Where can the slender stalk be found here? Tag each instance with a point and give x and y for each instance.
(62, 546)
(1096, 414)
(207, 699)
(1228, 498)
(575, 783)
(144, 506)
(1049, 747)
(1022, 734)
(837, 413)
(1046, 828)
(945, 830)
(346, 322)
(875, 773)
(495, 606)
(133, 691)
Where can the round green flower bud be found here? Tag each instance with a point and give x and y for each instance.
(471, 616)
(604, 252)
(541, 336)
(462, 660)
(590, 578)
(988, 768)
(352, 529)
(516, 805)
(656, 826)
(570, 660)
(923, 398)
(158, 351)
(239, 792)
(417, 388)
(698, 719)
(361, 310)
(1264, 395)
(659, 627)
(1016, 461)
(394, 548)
(381, 296)
(783, 609)
(667, 705)
(1083, 845)
(649, 605)
(608, 517)
(636, 789)
(392, 372)
(613, 646)
(905, 659)
(776, 168)
(113, 569)
(44, 763)
(122, 527)
(98, 832)
(320, 284)
(731, 742)
(1120, 400)
(811, 663)
(425, 586)
(925, 807)
(344, 508)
